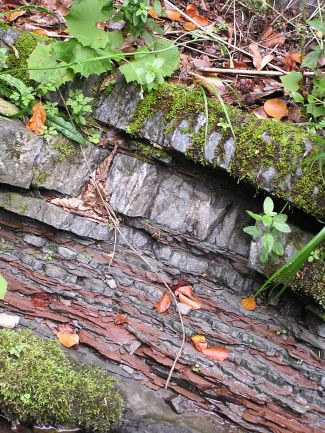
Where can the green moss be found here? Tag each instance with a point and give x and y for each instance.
(65, 148)
(144, 111)
(39, 385)
(39, 176)
(25, 45)
(151, 150)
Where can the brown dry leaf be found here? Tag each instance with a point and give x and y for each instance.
(173, 15)
(268, 32)
(260, 113)
(236, 65)
(203, 62)
(276, 108)
(164, 303)
(257, 58)
(200, 342)
(152, 13)
(276, 39)
(266, 59)
(216, 353)
(249, 303)
(36, 122)
(120, 319)
(212, 84)
(295, 114)
(192, 12)
(68, 340)
(194, 304)
(296, 57)
(185, 290)
(14, 15)
(189, 26)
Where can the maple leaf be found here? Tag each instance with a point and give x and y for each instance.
(249, 303)
(36, 122)
(164, 303)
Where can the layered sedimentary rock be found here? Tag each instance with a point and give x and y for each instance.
(187, 222)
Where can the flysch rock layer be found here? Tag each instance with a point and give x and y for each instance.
(265, 152)
(188, 226)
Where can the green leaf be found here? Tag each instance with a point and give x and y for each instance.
(311, 60)
(3, 287)
(83, 18)
(280, 218)
(291, 81)
(317, 25)
(297, 97)
(252, 230)
(66, 128)
(268, 206)
(254, 215)
(264, 255)
(268, 242)
(315, 110)
(277, 248)
(144, 59)
(267, 220)
(281, 227)
(44, 57)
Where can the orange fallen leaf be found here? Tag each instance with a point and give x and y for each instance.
(296, 57)
(276, 108)
(195, 305)
(40, 32)
(189, 26)
(216, 353)
(257, 58)
(200, 342)
(68, 340)
(249, 303)
(14, 15)
(173, 15)
(192, 12)
(120, 319)
(276, 39)
(152, 13)
(185, 290)
(268, 32)
(164, 303)
(36, 122)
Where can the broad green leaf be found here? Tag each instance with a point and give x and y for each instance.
(252, 230)
(315, 110)
(3, 287)
(280, 218)
(43, 57)
(83, 18)
(291, 81)
(282, 227)
(254, 215)
(297, 97)
(264, 255)
(144, 60)
(311, 60)
(268, 242)
(268, 206)
(278, 248)
(317, 25)
(267, 220)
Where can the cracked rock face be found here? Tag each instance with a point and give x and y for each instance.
(28, 160)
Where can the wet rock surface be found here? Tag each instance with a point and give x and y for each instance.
(64, 268)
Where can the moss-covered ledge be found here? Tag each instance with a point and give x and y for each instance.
(266, 153)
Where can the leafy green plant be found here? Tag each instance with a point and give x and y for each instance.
(91, 50)
(79, 106)
(3, 287)
(281, 279)
(268, 227)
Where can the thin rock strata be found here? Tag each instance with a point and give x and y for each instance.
(189, 227)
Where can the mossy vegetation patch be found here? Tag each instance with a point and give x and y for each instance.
(39, 385)
(260, 145)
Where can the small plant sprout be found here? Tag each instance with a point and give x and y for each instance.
(48, 256)
(196, 368)
(268, 227)
(79, 105)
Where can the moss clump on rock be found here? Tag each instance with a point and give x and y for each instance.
(25, 45)
(39, 385)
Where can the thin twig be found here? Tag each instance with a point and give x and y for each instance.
(215, 37)
(249, 72)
